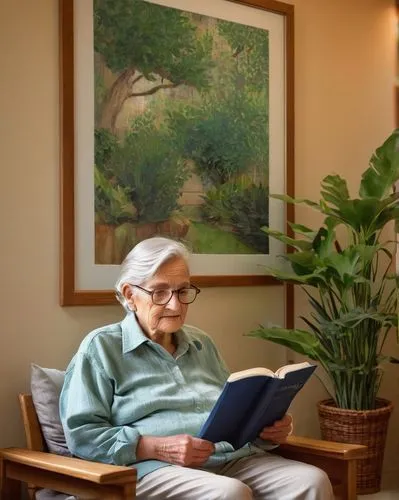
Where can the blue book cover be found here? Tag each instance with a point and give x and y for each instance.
(253, 399)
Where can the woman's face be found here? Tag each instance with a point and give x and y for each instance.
(162, 319)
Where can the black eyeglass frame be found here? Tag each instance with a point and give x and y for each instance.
(151, 293)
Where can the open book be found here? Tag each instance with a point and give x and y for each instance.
(253, 399)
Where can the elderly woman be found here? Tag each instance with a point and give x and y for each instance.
(138, 391)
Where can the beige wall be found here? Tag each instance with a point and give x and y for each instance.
(345, 53)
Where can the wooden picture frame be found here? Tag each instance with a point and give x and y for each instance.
(71, 292)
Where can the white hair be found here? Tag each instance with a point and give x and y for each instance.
(144, 260)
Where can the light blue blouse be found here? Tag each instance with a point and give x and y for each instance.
(121, 385)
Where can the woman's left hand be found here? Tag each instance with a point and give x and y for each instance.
(279, 431)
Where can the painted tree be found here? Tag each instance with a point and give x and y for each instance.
(138, 40)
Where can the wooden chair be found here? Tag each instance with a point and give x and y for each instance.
(91, 480)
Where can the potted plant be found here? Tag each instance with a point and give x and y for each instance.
(344, 267)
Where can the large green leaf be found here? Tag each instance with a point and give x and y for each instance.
(357, 214)
(323, 244)
(344, 264)
(334, 189)
(298, 244)
(356, 316)
(296, 201)
(286, 277)
(302, 230)
(388, 214)
(299, 341)
(383, 171)
(367, 253)
(302, 262)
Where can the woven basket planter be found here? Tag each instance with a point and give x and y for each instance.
(368, 427)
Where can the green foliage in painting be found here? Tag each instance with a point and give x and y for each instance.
(215, 207)
(152, 171)
(249, 212)
(243, 206)
(112, 204)
(106, 145)
(250, 48)
(151, 39)
(220, 136)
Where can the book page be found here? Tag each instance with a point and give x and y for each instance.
(266, 372)
(251, 372)
(281, 372)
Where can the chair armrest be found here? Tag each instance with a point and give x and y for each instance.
(310, 446)
(338, 460)
(93, 472)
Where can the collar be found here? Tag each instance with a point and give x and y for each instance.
(133, 336)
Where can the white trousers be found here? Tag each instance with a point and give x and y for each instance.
(262, 477)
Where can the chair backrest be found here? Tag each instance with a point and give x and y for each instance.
(33, 432)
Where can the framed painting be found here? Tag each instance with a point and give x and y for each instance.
(177, 119)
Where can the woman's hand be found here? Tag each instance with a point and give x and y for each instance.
(183, 449)
(279, 431)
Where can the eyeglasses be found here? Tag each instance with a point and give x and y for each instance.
(161, 297)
